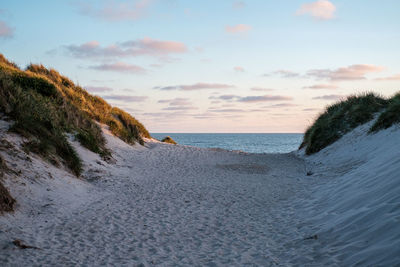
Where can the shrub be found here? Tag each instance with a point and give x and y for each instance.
(341, 118)
(169, 140)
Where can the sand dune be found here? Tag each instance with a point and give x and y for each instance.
(174, 205)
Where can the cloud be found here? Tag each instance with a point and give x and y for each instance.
(353, 72)
(133, 48)
(328, 97)
(263, 98)
(227, 110)
(251, 99)
(239, 4)
(196, 86)
(98, 89)
(238, 29)
(119, 67)
(239, 69)
(176, 101)
(395, 77)
(261, 89)
(113, 10)
(5, 30)
(282, 105)
(180, 108)
(286, 73)
(224, 97)
(125, 98)
(321, 86)
(321, 9)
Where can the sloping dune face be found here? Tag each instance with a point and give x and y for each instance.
(356, 209)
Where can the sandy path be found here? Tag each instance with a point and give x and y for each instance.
(174, 205)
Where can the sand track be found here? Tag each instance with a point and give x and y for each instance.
(172, 205)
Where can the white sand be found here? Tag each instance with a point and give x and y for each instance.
(177, 205)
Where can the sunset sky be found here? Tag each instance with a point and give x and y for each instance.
(212, 66)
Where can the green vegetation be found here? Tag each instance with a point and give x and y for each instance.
(46, 105)
(168, 140)
(341, 118)
(390, 116)
(6, 200)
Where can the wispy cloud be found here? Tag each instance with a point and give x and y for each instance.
(227, 110)
(252, 99)
(177, 104)
(125, 98)
(120, 67)
(261, 89)
(196, 86)
(176, 101)
(264, 98)
(111, 10)
(328, 97)
(98, 89)
(395, 77)
(287, 74)
(145, 46)
(238, 29)
(321, 86)
(5, 30)
(353, 72)
(321, 9)
(282, 105)
(180, 108)
(224, 97)
(239, 69)
(239, 4)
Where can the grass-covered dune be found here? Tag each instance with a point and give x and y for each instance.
(46, 105)
(347, 114)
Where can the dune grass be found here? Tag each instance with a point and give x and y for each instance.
(46, 105)
(6, 200)
(168, 140)
(389, 116)
(341, 118)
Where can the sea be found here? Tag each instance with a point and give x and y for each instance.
(246, 142)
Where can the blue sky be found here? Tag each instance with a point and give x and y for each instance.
(212, 66)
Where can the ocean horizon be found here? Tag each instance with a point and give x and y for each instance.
(246, 142)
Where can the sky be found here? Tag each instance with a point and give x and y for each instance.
(211, 66)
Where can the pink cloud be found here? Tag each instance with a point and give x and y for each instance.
(196, 86)
(98, 89)
(264, 98)
(239, 4)
(120, 67)
(5, 30)
(321, 9)
(116, 11)
(322, 86)
(145, 46)
(239, 69)
(239, 28)
(261, 89)
(353, 72)
(287, 73)
(329, 97)
(395, 77)
(126, 98)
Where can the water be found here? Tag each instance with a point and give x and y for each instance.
(248, 142)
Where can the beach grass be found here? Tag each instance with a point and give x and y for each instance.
(341, 118)
(46, 105)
